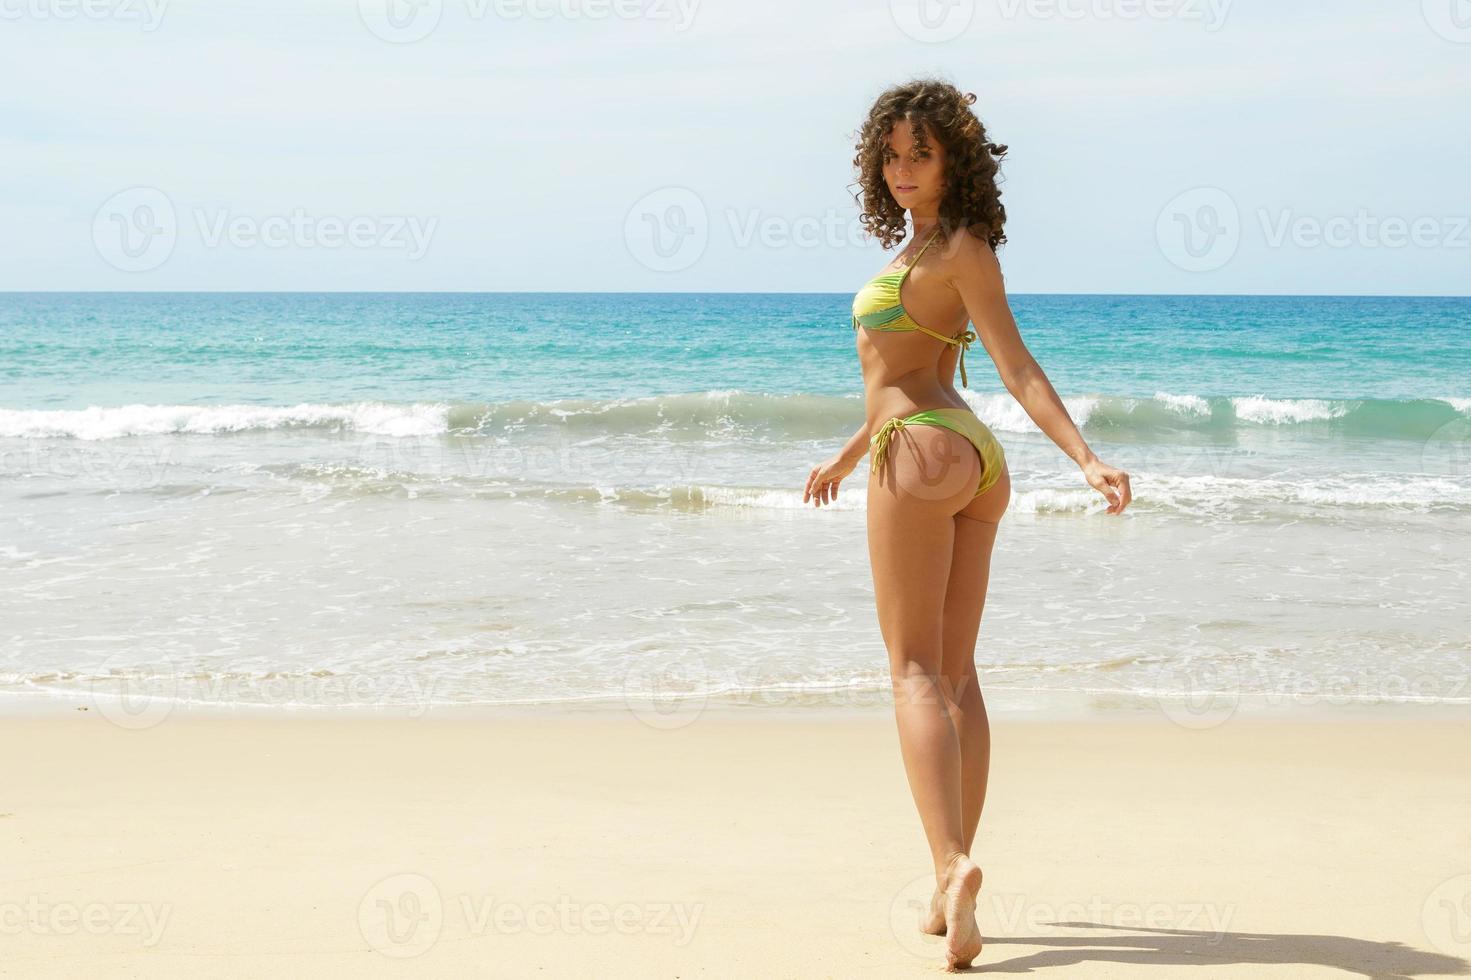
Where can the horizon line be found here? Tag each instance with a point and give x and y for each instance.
(653, 292)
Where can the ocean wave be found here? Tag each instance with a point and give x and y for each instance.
(732, 414)
(96, 423)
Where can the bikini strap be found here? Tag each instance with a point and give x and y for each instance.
(920, 254)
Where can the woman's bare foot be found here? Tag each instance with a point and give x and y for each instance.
(934, 923)
(962, 935)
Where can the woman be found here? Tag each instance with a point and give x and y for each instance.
(940, 481)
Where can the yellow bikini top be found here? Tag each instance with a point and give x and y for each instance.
(878, 306)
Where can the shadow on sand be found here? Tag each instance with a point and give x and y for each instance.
(1189, 948)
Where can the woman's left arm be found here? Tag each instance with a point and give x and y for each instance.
(825, 478)
(977, 278)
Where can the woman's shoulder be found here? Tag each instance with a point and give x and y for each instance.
(970, 246)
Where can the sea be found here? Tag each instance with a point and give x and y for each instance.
(416, 501)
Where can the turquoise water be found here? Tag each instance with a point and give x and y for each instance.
(285, 348)
(390, 498)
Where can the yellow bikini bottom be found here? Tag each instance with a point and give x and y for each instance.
(961, 420)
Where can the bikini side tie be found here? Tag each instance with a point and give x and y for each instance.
(881, 442)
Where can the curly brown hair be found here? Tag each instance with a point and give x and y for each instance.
(933, 108)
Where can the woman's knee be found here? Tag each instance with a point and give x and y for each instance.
(917, 681)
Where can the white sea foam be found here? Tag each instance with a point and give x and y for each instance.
(1003, 413)
(1283, 411)
(1184, 404)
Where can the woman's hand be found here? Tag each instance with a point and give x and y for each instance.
(1110, 481)
(822, 482)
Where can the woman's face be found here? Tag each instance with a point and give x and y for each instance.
(915, 177)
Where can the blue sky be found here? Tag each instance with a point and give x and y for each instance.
(1174, 146)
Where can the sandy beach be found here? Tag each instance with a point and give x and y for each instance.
(745, 844)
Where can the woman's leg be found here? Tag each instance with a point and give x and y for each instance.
(965, 598)
(928, 477)
(965, 601)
